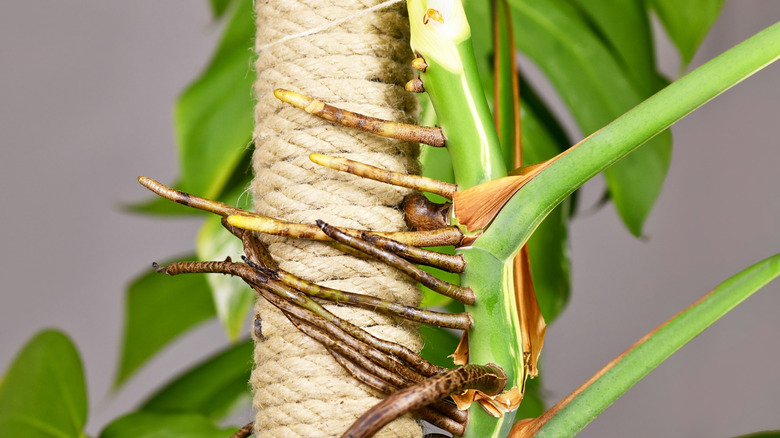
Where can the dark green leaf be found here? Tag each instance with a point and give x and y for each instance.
(624, 28)
(438, 344)
(687, 22)
(529, 206)
(232, 297)
(211, 388)
(533, 404)
(218, 7)
(214, 115)
(154, 425)
(650, 351)
(159, 308)
(597, 90)
(43, 393)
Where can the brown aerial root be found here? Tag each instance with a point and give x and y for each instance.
(441, 237)
(193, 201)
(460, 321)
(244, 431)
(446, 262)
(489, 379)
(362, 170)
(248, 220)
(383, 365)
(463, 294)
(383, 128)
(380, 364)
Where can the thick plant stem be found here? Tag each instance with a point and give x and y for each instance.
(361, 65)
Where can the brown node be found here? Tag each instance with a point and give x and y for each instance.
(415, 86)
(424, 215)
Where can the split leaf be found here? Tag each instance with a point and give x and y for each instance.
(597, 89)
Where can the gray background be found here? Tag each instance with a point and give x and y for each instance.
(86, 90)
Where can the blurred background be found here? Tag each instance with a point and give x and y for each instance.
(86, 95)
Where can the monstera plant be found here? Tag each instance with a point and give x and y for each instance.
(499, 176)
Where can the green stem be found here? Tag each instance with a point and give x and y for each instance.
(465, 117)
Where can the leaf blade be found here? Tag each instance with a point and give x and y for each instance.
(213, 116)
(158, 309)
(597, 90)
(539, 196)
(211, 388)
(687, 22)
(43, 393)
(155, 425)
(232, 297)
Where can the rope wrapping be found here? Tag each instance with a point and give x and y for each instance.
(360, 64)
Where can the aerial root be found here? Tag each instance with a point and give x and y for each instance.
(463, 294)
(384, 128)
(440, 237)
(489, 379)
(385, 366)
(363, 170)
(244, 431)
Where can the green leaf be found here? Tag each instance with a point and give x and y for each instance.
(624, 28)
(159, 308)
(533, 402)
(43, 393)
(539, 196)
(154, 425)
(232, 297)
(438, 345)
(211, 388)
(597, 90)
(214, 115)
(218, 7)
(650, 351)
(687, 22)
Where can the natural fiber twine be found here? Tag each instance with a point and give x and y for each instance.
(361, 65)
